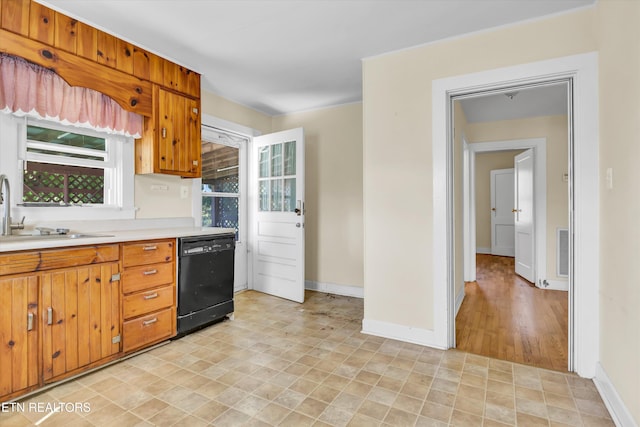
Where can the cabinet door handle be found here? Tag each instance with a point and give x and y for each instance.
(150, 272)
(150, 248)
(30, 322)
(49, 316)
(164, 132)
(150, 321)
(150, 296)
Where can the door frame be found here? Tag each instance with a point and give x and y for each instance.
(242, 278)
(539, 146)
(584, 313)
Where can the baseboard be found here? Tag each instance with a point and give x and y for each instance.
(401, 333)
(459, 299)
(556, 285)
(334, 288)
(612, 400)
(486, 251)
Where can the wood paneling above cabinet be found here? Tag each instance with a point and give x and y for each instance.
(31, 20)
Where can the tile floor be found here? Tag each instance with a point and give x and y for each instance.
(280, 363)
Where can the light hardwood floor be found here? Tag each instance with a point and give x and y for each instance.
(505, 317)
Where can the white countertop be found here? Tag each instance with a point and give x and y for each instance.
(17, 243)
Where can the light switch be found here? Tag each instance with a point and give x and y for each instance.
(609, 178)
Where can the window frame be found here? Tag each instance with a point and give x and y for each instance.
(118, 166)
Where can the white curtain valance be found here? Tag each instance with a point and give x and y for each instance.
(32, 90)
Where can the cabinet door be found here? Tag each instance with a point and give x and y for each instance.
(81, 316)
(19, 367)
(179, 134)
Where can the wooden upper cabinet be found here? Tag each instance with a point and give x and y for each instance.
(42, 24)
(65, 33)
(156, 68)
(107, 49)
(87, 43)
(15, 16)
(141, 64)
(171, 141)
(124, 56)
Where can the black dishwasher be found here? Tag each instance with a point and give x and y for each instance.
(205, 280)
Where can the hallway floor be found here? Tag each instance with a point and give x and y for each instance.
(505, 317)
(282, 363)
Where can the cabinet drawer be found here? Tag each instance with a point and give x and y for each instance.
(148, 252)
(136, 279)
(148, 301)
(147, 329)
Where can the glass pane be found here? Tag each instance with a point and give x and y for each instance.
(61, 137)
(263, 194)
(290, 158)
(276, 195)
(219, 168)
(290, 194)
(220, 212)
(276, 160)
(52, 183)
(263, 159)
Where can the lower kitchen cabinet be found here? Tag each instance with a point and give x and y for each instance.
(81, 318)
(19, 356)
(149, 293)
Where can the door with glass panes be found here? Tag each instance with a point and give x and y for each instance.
(278, 214)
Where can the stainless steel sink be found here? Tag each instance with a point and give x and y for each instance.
(25, 237)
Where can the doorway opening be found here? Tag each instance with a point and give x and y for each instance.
(515, 172)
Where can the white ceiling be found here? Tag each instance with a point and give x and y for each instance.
(282, 56)
(546, 100)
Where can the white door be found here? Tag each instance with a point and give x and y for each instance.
(278, 214)
(523, 214)
(502, 203)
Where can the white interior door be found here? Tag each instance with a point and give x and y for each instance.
(524, 215)
(502, 218)
(278, 214)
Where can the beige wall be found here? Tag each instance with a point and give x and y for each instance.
(555, 130)
(222, 108)
(159, 196)
(619, 70)
(485, 163)
(333, 166)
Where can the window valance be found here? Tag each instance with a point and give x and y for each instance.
(30, 89)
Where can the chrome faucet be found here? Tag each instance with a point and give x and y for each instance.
(5, 199)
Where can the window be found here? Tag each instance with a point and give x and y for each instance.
(50, 164)
(65, 166)
(276, 181)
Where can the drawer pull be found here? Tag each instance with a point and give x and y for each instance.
(150, 272)
(150, 248)
(150, 296)
(150, 322)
